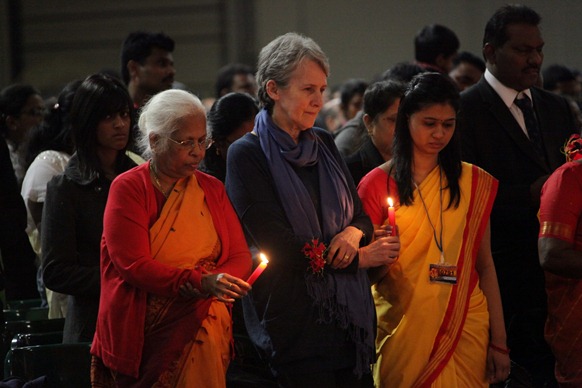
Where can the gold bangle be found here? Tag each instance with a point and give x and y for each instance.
(363, 234)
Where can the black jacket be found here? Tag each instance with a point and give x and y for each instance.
(365, 160)
(72, 224)
(19, 275)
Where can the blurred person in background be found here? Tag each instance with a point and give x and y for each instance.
(230, 117)
(49, 149)
(381, 102)
(467, 70)
(21, 109)
(72, 219)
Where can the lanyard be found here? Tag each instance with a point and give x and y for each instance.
(439, 241)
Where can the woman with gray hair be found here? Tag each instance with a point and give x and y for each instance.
(173, 255)
(311, 311)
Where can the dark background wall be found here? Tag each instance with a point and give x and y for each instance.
(50, 42)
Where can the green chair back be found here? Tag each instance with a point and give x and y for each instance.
(22, 304)
(65, 365)
(12, 328)
(31, 339)
(26, 314)
(37, 326)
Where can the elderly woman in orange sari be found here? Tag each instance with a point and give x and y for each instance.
(560, 250)
(440, 321)
(173, 257)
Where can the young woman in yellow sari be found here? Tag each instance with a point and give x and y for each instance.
(440, 321)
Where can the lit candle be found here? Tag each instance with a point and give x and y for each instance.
(391, 216)
(259, 270)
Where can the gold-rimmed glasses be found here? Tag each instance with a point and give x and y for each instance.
(191, 144)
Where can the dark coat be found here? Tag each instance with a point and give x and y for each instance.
(362, 162)
(280, 316)
(349, 138)
(72, 224)
(19, 275)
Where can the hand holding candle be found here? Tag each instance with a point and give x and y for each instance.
(259, 270)
(391, 216)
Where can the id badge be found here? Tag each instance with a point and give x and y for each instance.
(442, 273)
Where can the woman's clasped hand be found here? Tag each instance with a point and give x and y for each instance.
(222, 286)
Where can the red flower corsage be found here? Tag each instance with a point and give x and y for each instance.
(315, 251)
(573, 148)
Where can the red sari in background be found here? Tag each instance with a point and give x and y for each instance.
(561, 218)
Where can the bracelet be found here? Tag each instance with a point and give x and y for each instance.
(499, 349)
(363, 233)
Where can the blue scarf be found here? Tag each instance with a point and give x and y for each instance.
(340, 297)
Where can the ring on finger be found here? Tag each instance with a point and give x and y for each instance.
(346, 257)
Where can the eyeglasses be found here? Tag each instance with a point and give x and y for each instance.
(191, 144)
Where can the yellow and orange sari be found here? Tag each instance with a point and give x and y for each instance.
(432, 334)
(184, 236)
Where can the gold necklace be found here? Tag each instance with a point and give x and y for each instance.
(157, 181)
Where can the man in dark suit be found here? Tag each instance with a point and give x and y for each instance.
(520, 148)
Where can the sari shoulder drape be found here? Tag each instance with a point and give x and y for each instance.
(184, 233)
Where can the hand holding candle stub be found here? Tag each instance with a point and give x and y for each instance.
(259, 270)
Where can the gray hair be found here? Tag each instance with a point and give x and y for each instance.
(280, 58)
(160, 115)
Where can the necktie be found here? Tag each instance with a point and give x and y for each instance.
(531, 123)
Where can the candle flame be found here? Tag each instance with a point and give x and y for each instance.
(390, 203)
(263, 258)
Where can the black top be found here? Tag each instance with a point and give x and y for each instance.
(351, 136)
(213, 164)
(72, 224)
(365, 160)
(19, 276)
